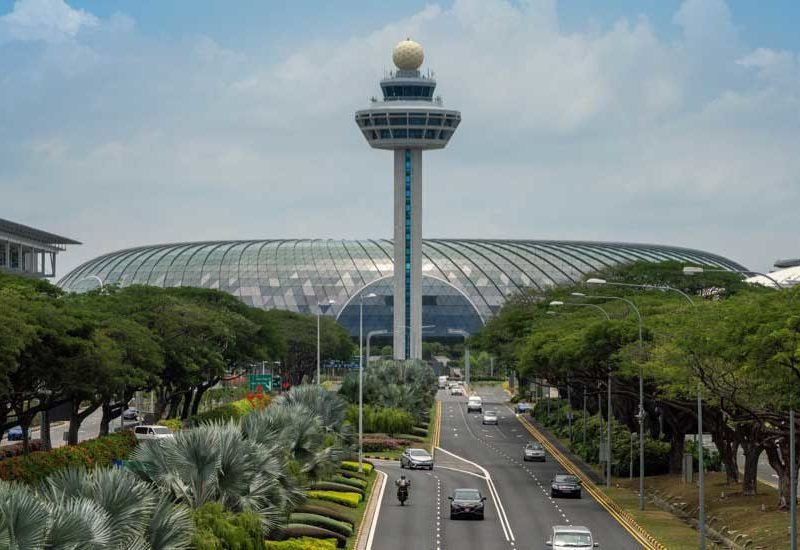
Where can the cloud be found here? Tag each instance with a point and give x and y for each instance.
(613, 133)
(47, 20)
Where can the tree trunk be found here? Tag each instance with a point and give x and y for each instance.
(44, 431)
(779, 460)
(174, 402)
(750, 477)
(187, 404)
(727, 444)
(198, 397)
(105, 421)
(676, 440)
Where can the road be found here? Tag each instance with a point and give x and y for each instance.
(90, 428)
(521, 515)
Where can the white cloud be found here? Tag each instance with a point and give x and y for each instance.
(47, 20)
(612, 133)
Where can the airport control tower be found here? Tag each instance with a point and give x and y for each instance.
(408, 121)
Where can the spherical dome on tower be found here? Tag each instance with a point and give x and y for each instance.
(408, 55)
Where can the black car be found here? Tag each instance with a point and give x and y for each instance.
(565, 485)
(466, 503)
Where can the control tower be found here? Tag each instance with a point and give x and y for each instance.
(408, 121)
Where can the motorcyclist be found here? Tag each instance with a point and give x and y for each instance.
(403, 485)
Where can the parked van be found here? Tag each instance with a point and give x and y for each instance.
(474, 404)
(152, 432)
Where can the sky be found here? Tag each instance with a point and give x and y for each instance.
(130, 122)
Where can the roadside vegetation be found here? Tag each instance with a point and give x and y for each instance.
(739, 345)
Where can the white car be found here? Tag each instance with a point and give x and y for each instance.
(152, 432)
(489, 417)
(475, 403)
(456, 390)
(572, 537)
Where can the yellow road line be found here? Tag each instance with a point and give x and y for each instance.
(624, 518)
(437, 427)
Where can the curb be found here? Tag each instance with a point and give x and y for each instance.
(369, 512)
(638, 532)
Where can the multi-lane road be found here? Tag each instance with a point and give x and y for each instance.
(519, 510)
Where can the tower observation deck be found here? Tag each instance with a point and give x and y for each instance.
(408, 121)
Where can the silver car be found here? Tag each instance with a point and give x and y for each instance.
(533, 451)
(416, 458)
(489, 417)
(573, 537)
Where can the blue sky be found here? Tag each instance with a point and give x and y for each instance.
(128, 122)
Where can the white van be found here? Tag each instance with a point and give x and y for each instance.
(152, 432)
(475, 403)
(442, 382)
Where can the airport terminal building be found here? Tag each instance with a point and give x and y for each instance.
(465, 281)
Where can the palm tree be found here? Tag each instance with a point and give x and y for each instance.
(96, 509)
(329, 407)
(216, 463)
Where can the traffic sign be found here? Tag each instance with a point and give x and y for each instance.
(263, 380)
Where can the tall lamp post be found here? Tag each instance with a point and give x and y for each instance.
(701, 516)
(641, 380)
(361, 379)
(465, 335)
(558, 303)
(323, 307)
(370, 334)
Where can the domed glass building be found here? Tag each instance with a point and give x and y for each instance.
(465, 281)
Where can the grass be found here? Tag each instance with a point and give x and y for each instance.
(361, 509)
(767, 528)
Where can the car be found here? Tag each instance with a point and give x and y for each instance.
(489, 417)
(15, 433)
(442, 382)
(572, 537)
(466, 503)
(152, 432)
(522, 407)
(456, 390)
(533, 451)
(565, 485)
(416, 458)
(474, 403)
(131, 413)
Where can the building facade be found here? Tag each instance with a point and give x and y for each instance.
(464, 281)
(408, 121)
(29, 251)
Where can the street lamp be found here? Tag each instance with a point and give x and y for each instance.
(691, 270)
(465, 335)
(361, 379)
(96, 278)
(370, 334)
(641, 387)
(323, 307)
(556, 303)
(701, 516)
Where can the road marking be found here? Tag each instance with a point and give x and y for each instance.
(374, 525)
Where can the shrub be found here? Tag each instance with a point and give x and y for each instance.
(329, 510)
(382, 419)
(419, 431)
(218, 529)
(412, 439)
(294, 530)
(304, 543)
(15, 449)
(348, 499)
(231, 411)
(322, 521)
(352, 474)
(173, 424)
(332, 486)
(37, 466)
(352, 482)
(376, 443)
(353, 466)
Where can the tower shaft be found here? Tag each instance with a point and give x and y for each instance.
(408, 253)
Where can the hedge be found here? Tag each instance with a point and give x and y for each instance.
(217, 528)
(348, 499)
(231, 411)
(296, 530)
(353, 466)
(37, 466)
(412, 438)
(329, 510)
(173, 424)
(333, 486)
(375, 443)
(351, 474)
(352, 482)
(322, 521)
(305, 543)
(382, 419)
(417, 430)
(9, 451)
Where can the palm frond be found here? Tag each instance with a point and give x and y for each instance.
(23, 518)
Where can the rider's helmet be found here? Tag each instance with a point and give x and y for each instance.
(402, 476)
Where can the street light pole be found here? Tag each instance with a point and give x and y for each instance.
(793, 481)
(584, 416)
(702, 512)
(464, 334)
(608, 435)
(322, 308)
(361, 380)
(370, 334)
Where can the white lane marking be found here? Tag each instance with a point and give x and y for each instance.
(374, 525)
(498, 504)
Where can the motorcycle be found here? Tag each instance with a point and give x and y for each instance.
(402, 495)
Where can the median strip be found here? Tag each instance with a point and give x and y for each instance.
(623, 518)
